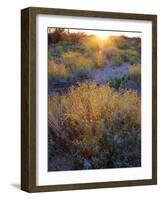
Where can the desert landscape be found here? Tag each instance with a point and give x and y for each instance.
(94, 99)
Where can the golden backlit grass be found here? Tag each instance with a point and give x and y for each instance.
(75, 61)
(92, 43)
(82, 115)
(99, 59)
(134, 73)
(57, 70)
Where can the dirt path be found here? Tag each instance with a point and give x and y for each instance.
(104, 74)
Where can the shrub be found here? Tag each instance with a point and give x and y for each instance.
(65, 46)
(60, 48)
(120, 151)
(122, 48)
(123, 42)
(99, 59)
(76, 37)
(60, 34)
(108, 52)
(91, 43)
(131, 56)
(114, 55)
(117, 59)
(110, 42)
(56, 35)
(117, 82)
(134, 73)
(117, 56)
(80, 117)
(57, 71)
(77, 63)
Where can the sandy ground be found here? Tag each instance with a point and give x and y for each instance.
(106, 73)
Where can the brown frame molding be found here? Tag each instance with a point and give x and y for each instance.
(28, 98)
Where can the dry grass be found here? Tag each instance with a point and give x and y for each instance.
(75, 61)
(134, 73)
(82, 115)
(92, 43)
(98, 59)
(57, 70)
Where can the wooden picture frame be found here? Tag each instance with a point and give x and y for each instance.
(28, 98)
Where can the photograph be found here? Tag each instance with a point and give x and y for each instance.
(94, 99)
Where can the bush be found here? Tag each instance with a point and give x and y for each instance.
(60, 34)
(134, 73)
(122, 48)
(117, 56)
(131, 56)
(56, 36)
(99, 59)
(76, 37)
(91, 43)
(80, 117)
(57, 71)
(60, 48)
(117, 59)
(123, 42)
(114, 55)
(77, 63)
(120, 151)
(117, 82)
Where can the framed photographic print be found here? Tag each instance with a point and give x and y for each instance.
(89, 99)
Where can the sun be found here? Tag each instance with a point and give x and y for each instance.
(102, 35)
